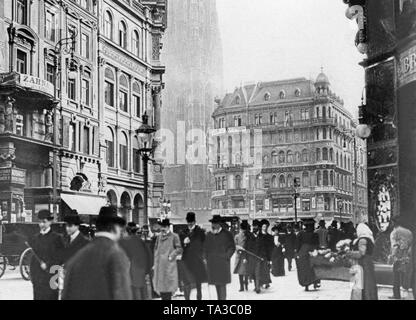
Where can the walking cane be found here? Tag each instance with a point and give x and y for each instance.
(249, 253)
(34, 253)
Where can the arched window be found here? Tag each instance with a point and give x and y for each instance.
(282, 182)
(331, 155)
(305, 156)
(135, 43)
(274, 157)
(281, 157)
(289, 157)
(274, 182)
(124, 154)
(326, 178)
(331, 178)
(289, 181)
(297, 92)
(305, 179)
(136, 158)
(137, 99)
(108, 25)
(123, 93)
(237, 182)
(298, 157)
(109, 85)
(237, 100)
(318, 178)
(325, 154)
(122, 35)
(345, 161)
(337, 158)
(282, 94)
(324, 134)
(109, 141)
(267, 97)
(318, 155)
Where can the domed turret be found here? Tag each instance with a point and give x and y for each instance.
(322, 83)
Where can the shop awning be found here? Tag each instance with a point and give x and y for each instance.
(85, 205)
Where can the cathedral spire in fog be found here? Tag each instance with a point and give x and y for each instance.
(192, 54)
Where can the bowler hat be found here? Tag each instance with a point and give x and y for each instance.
(190, 217)
(73, 219)
(216, 219)
(45, 214)
(334, 223)
(256, 223)
(164, 222)
(322, 223)
(108, 215)
(244, 225)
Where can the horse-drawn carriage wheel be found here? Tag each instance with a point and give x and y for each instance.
(24, 263)
(3, 265)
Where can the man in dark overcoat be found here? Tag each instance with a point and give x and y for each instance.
(140, 258)
(101, 270)
(290, 244)
(219, 247)
(193, 270)
(75, 240)
(48, 247)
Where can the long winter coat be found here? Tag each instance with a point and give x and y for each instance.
(50, 249)
(244, 239)
(289, 245)
(307, 241)
(263, 249)
(370, 291)
(71, 248)
(219, 248)
(167, 249)
(100, 271)
(278, 258)
(140, 259)
(193, 256)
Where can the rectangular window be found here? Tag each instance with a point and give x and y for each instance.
(50, 73)
(72, 89)
(85, 92)
(21, 12)
(86, 137)
(50, 26)
(137, 105)
(72, 34)
(123, 101)
(85, 46)
(72, 136)
(123, 157)
(109, 93)
(21, 62)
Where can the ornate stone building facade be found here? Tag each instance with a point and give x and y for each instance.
(43, 130)
(271, 136)
(193, 57)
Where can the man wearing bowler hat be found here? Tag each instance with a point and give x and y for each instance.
(75, 239)
(219, 247)
(48, 248)
(101, 270)
(193, 270)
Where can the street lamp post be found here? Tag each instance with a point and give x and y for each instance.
(146, 134)
(296, 185)
(65, 46)
(340, 205)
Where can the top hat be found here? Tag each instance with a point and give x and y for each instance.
(45, 214)
(108, 215)
(164, 222)
(190, 217)
(73, 219)
(265, 222)
(334, 223)
(216, 219)
(322, 223)
(244, 225)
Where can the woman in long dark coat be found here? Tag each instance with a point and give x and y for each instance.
(307, 241)
(278, 258)
(244, 239)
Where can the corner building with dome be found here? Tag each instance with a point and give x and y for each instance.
(271, 137)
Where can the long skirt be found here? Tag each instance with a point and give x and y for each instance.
(306, 273)
(278, 262)
(262, 273)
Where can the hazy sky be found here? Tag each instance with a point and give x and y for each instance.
(274, 39)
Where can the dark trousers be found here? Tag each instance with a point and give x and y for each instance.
(139, 293)
(290, 262)
(221, 292)
(398, 277)
(243, 282)
(166, 295)
(188, 289)
(43, 291)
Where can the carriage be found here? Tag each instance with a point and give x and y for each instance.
(14, 248)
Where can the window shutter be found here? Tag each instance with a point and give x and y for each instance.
(96, 140)
(65, 131)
